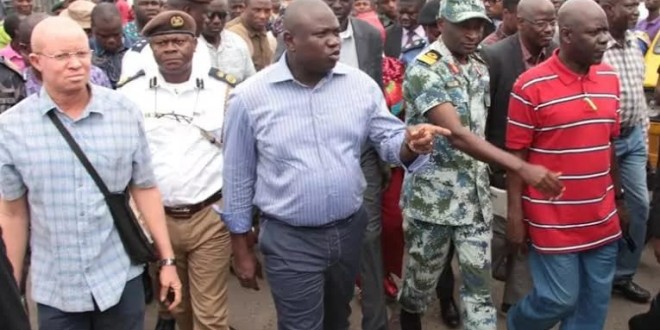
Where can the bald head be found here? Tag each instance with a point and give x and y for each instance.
(529, 8)
(312, 38)
(575, 13)
(52, 30)
(300, 14)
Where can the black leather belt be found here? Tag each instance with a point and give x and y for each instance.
(187, 211)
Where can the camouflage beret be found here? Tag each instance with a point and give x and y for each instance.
(169, 22)
(457, 11)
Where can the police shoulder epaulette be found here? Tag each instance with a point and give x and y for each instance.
(139, 46)
(126, 80)
(224, 77)
(429, 57)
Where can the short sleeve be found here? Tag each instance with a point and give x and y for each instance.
(425, 88)
(522, 120)
(12, 186)
(143, 174)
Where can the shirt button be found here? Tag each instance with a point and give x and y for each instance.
(82, 214)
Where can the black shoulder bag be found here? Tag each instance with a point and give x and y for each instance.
(136, 243)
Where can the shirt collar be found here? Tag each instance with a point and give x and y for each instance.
(45, 103)
(348, 33)
(419, 31)
(280, 71)
(629, 39)
(528, 57)
(565, 74)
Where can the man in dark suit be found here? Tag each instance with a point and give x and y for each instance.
(507, 59)
(362, 48)
(407, 30)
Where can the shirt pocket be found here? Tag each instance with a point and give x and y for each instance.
(114, 167)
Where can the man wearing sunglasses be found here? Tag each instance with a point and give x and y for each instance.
(229, 53)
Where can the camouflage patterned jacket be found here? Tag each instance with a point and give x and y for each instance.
(453, 189)
(12, 85)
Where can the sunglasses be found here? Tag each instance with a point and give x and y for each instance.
(218, 14)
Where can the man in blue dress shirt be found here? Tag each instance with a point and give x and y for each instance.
(293, 138)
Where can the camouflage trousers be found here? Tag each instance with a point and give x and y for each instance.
(428, 249)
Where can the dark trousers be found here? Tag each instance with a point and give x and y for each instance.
(128, 314)
(372, 272)
(12, 314)
(311, 271)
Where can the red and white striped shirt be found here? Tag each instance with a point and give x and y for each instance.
(566, 122)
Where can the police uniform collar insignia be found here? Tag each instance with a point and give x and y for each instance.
(138, 46)
(224, 77)
(176, 21)
(430, 57)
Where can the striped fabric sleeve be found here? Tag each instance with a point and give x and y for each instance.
(521, 120)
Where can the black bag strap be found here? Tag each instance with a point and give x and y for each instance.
(79, 153)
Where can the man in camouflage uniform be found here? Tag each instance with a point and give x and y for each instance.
(447, 85)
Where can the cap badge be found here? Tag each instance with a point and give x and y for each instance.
(176, 21)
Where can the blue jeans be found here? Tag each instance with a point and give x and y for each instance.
(312, 271)
(572, 288)
(128, 314)
(633, 155)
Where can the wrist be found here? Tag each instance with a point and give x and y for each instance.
(166, 262)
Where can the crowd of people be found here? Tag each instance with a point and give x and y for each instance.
(350, 143)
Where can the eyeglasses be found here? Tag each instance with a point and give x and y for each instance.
(218, 14)
(65, 57)
(541, 24)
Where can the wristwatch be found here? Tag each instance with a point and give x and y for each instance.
(166, 262)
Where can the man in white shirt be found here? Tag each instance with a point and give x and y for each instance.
(183, 105)
(140, 56)
(229, 52)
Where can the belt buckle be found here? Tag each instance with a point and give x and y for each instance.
(180, 212)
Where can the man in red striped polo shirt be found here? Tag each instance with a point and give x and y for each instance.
(563, 114)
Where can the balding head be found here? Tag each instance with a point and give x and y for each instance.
(299, 12)
(536, 21)
(576, 12)
(311, 37)
(583, 32)
(528, 8)
(60, 51)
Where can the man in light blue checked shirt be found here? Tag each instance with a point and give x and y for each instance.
(294, 133)
(82, 278)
